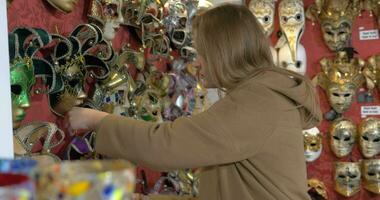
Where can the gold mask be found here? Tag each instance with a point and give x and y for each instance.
(63, 5)
(264, 12)
(371, 175)
(369, 137)
(342, 137)
(336, 18)
(347, 178)
(371, 72)
(340, 78)
(312, 142)
(292, 22)
(319, 186)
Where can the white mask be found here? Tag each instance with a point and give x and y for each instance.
(312, 144)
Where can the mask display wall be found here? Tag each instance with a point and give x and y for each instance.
(312, 142)
(291, 55)
(347, 178)
(318, 186)
(336, 18)
(369, 137)
(63, 5)
(340, 78)
(371, 175)
(342, 137)
(108, 14)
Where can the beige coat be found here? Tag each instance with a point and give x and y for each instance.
(249, 144)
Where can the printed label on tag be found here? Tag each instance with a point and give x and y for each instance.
(370, 110)
(369, 34)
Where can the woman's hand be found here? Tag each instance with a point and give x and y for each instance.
(84, 118)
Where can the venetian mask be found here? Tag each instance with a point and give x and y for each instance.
(63, 5)
(319, 187)
(373, 6)
(22, 79)
(109, 14)
(342, 137)
(336, 18)
(286, 62)
(340, 78)
(371, 175)
(347, 178)
(371, 72)
(149, 106)
(264, 11)
(292, 22)
(312, 142)
(369, 133)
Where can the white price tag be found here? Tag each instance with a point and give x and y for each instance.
(369, 34)
(370, 110)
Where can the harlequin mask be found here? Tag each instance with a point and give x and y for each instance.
(369, 133)
(371, 72)
(23, 43)
(312, 142)
(371, 175)
(109, 14)
(319, 187)
(336, 18)
(347, 178)
(264, 12)
(63, 5)
(342, 136)
(340, 78)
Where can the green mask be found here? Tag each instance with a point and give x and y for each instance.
(22, 79)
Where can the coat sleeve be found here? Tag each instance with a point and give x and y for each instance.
(225, 133)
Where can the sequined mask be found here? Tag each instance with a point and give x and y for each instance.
(342, 137)
(264, 11)
(312, 142)
(336, 18)
(347, 178)
(340, 78)
(369, 137)
(319, 187)
(371, 175)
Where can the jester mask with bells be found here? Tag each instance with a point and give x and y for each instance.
(292, 54)
(24, 67)
(369, 137)
(74, 61)
(371, 175)
(347, 178)
(312, 142)
(342, 137)
(108, 15)
(372, 72)
(336, 18)
(318, 186)
(63, 5)
(340, 78)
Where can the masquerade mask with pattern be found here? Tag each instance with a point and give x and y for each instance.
(24, 66)
(336, 18)
(369, 137)
(340, 78)
(108, 13)
(347, 178)
(312, 142)
(342, 137)
(371, 175)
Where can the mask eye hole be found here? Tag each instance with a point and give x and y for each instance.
(335, 138)
(335, 94)
(330, 33)
(341, 33)
(16, 89)
(347, 95)
(266, 19)
(347, 139)
(154, 113)
(284, 19)
(313, 144)
(371, 174)
(342, 176)
(298, 64)
(365, 138)
(376, 140)
(298, 17)
(353, 176)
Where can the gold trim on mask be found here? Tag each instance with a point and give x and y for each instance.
(371, 175)
(371, 72)
(343, 135)
(264, 11)
(369, 137)
(319, 186)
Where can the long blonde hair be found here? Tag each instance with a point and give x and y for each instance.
(232, 44)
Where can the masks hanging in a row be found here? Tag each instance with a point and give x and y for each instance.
(348, 177)
(344, 134)
(340, 78)
(336, 18)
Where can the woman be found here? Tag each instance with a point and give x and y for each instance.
(249, 144)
